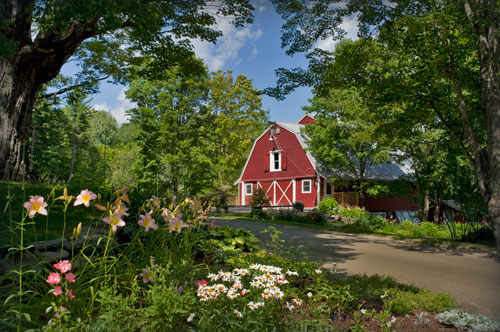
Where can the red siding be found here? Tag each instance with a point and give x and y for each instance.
(307, 120)
(309, 199)
(297, 163)
(403, 203)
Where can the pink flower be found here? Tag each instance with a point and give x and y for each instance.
(147, 222)
(115, 220)
(84, 198)
(176, 225)
(70, 277)
(70, 294)
(122, 210)
(35, 205)
(63, 266)
(147, 276)
(57, 291)
(54, 278)
(198, 283)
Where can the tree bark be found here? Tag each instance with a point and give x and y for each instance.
(22, 75)
(485, 20)
(17, 96)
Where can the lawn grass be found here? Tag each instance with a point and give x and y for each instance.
(12, 197)
(441, 238)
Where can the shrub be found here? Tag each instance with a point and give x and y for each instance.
(430, 229)
(377, 222)
(482, 235)
(328, 205)
(259, 214)
(315, 217)
(356, 214)
(298, 206)
(234, 238)
(259, 199)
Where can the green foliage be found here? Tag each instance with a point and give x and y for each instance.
(234, 238)
(194, 130)
(127, 282)
(298, 206)
(328, 205)
(404, 302)
(220, 197)
(397, 297)
(415, 67)
(356, 214)
(259, 199)
(313, 217)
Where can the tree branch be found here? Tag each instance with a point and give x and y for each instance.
(72, 87)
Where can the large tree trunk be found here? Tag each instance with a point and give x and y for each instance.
(485, 20)
(18, 90)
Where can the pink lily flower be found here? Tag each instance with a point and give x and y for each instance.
(36, 205)
(115, 220)
(147, 222)
(84, 198)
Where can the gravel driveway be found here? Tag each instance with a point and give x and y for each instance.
(471, 275)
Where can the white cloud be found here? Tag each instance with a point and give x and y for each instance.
(349, 25)
(228, 46)
(118, 109)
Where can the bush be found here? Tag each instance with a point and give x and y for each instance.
(328, 205)
(259, 199)
(259, 214)
(377, 222)
(482, 235)
(356, 214)
(429, 229)
(298, 206)
(315, 217)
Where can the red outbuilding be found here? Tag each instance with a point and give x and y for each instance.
(280, 164)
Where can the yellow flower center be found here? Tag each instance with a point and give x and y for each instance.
(147, 222)
(85, 198)
(36, 206)
(114, 220)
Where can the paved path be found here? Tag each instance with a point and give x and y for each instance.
(472, 276)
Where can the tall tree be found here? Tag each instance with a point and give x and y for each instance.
(344, 137)
(444, 49)
(237, 116)
(172, 120)
(37, 37)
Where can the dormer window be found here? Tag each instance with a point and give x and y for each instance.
(275, 161)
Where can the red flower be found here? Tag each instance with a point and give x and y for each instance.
(57, 291)
(54, 278)
(70, 277)
(198, 283)
(63, 266)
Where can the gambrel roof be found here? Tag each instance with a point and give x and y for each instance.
(378, 171)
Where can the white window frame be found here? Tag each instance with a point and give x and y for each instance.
(310, 186)
(271, 161)
(248, 185)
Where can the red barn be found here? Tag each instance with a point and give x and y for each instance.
(279, 164)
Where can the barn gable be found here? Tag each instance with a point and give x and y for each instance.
(281, 164)
(307, 118)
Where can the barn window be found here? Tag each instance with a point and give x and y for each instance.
(306, 186)
(275, 161)
(248, 188)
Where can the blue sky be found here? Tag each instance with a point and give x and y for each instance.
(253, 51)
